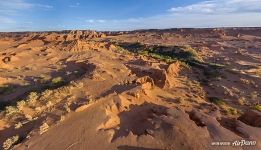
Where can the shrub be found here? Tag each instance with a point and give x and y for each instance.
(257, 107)
(18, 125)
(45, 95)
(62, 118)
(10, 110)
(230, 111)
(49, 104)
(32, 97)
(43, 128)
(165, 58)
(188, 54)
(241, 101)
(67, 108)
(10, 142)
(45, 78)
(57, 80)
(254, 95)
(217, 101)
(121, 50)
(28, 117)
(21, 104)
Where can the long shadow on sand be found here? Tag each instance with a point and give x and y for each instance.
(11, 93)
(118, 89)
(139, 120)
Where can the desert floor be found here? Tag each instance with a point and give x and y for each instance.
(174, 89)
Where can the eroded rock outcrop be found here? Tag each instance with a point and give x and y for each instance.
(80, 45)
(146, 82)
(171, 73)
(164, 78)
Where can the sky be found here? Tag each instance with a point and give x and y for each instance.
(115, 15)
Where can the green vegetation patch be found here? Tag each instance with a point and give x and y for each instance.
(6, 89)
(167, 53)
(185, 54)
(57, 81)
(170, 54)
(226, 109)
(217, 101)
(230, 111)
(45, 79)
(257, 107)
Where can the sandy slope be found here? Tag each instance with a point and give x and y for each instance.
(93, 94)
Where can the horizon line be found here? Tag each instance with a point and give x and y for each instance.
(131, 30)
